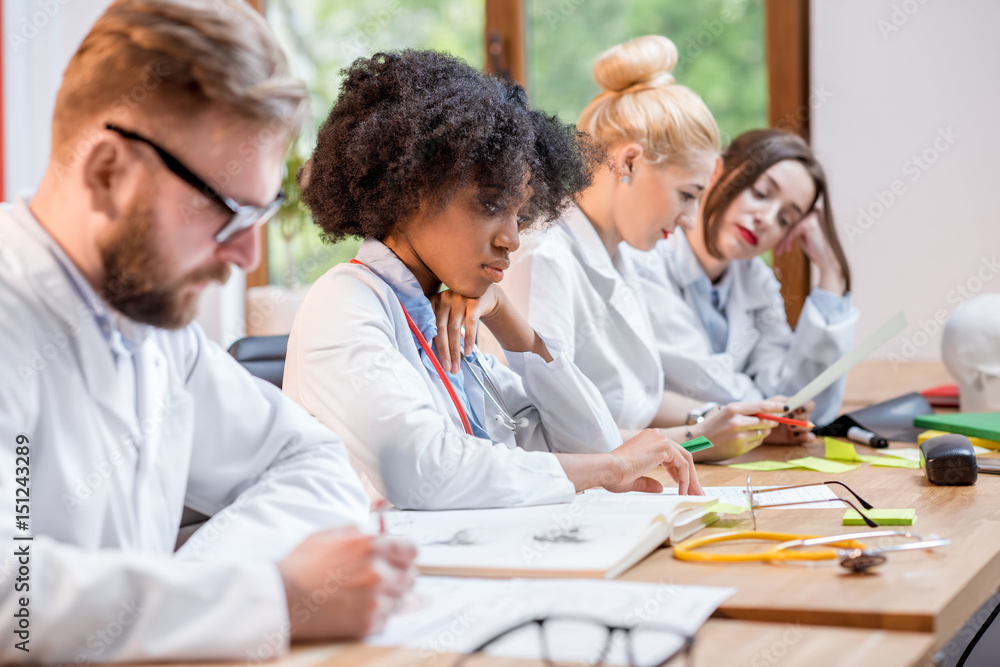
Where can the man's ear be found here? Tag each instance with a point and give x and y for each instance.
(104, 169)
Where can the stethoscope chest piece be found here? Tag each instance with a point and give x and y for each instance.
(860, 562)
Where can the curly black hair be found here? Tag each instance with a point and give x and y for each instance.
(412, 128)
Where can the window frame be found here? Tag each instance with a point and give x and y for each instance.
(260, 276)
(787, 46)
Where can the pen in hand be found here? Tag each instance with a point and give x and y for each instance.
(785, 420)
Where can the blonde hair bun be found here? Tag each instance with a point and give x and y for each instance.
(644, 62)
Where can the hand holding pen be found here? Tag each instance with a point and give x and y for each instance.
(793, 427)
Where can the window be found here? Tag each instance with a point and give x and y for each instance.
(721, 56)
(720, 46)
(321, 38)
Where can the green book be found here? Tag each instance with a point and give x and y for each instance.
(973, 424)
(697, 444)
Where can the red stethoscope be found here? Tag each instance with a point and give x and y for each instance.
(492, 392)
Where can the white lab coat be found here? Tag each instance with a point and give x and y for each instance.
(571, 291)
(353, 363)
(763, 356)
(112, 468)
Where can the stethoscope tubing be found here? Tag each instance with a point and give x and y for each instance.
(495, 397)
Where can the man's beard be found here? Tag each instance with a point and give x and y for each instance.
(137, 277)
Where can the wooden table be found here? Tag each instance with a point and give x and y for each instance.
(927, 592)
(875, 381)
(932, 592)
(818, 616)
(720, 643)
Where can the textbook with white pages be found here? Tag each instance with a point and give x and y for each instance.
(595, 536)
(456, 615)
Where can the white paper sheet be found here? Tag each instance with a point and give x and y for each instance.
(454, 615)
(858, 353)
(908, 453)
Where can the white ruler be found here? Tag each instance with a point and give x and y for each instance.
(883, 335)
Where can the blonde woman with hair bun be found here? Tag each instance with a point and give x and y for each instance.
(576, 284)
(719, 315)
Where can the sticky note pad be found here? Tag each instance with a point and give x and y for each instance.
(764, 466)
(840, 450)
(891, 462)
(697, 444)
(881, 517)
(727, 508)
(824, 465)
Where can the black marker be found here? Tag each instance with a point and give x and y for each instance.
(866, 437)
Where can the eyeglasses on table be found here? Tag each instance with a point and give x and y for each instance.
(753, 506)
(557, 636)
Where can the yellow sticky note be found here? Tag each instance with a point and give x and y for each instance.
(764, 466)
(881, 517)
(727, 508)
(890, 462)
(840, 450)
(976, 442)
(825, 465)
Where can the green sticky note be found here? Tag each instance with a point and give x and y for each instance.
(697, 444)
(881, 517)
(764, 466)
(890, 462)
(824, 465)
(840, 450)
(727, 508)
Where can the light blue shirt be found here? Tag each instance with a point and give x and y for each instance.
(122, 334)
(380, 259)
(711, 306)
(712, 299)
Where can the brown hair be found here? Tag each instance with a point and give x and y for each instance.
(642, 103)
(744, 160)
(183, 56)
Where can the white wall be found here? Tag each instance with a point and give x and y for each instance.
(39, 37)
(913, 99)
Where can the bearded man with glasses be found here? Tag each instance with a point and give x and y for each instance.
(116, 413)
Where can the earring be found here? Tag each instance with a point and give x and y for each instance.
(626, 179)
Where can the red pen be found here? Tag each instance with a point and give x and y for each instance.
(784, 420)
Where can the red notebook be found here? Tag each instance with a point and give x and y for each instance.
(943, 396)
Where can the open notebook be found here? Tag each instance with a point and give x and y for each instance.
(595, 536)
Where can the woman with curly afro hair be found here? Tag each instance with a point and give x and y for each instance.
(439, 167)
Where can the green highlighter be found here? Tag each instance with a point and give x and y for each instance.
(697, 444)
